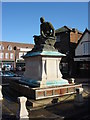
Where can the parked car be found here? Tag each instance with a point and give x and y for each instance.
(7, 75)
(6, 67)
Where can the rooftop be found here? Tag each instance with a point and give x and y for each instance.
(18, 44)
(67, 29)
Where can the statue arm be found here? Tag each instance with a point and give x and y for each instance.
(41, 31)
(52, 28)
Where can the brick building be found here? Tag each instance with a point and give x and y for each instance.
(66, 41)
(9, 56)
(67, 38)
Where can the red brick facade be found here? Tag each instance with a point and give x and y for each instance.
(75, 36)
(7, 52)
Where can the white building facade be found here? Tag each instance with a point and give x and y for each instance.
(82, 53)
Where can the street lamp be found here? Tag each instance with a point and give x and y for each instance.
(15, 48)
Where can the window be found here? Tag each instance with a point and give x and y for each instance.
(85, 48)
(6, 55)
(1, 47)
(10, 47)
(1, 55)
(11, 56)
(58, 38)
(20, 55)
(25, 53)
(88, 48)
(84, 66)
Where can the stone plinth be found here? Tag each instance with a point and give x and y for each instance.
(42, 69)
(38, 93)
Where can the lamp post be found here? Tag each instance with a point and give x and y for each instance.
(15, 48)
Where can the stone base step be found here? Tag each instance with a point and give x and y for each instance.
(49, 101)
(42, 93)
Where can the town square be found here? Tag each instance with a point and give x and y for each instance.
(45, 61)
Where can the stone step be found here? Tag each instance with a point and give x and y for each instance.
(43, 93)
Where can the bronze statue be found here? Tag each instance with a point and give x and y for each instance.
(47, 33)
(46, 29)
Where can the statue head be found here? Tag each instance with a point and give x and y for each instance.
(42, 19)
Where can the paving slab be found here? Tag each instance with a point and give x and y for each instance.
(9, 110)
(62, 110)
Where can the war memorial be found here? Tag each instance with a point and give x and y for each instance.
(42, 78)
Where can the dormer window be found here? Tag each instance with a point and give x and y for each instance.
(1, 47)
(9, 47)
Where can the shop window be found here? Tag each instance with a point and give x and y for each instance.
(85, 66)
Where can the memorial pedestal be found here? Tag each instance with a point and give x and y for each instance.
(42, 77)
(43, 69)
(43, 93)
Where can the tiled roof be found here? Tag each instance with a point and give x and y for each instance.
(62, 29)
(86, 30)
(65, 29)
(17, 44)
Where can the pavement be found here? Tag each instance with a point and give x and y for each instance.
(65, 110)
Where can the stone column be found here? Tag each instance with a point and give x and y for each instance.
(58, 69)
(1, 96)
(43, 69)
(22, 111)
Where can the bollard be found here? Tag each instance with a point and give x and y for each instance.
(22, 111)
(79, 98)
(1, 96)
(72, 81)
